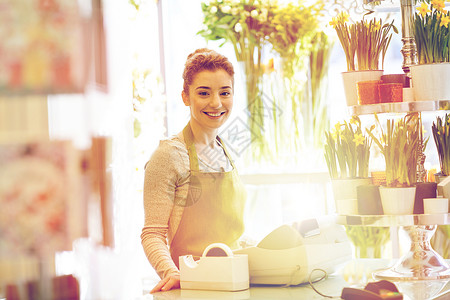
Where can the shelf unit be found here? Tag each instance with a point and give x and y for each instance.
(421, 262)
(399, 107)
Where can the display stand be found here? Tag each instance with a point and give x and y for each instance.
(399, 107)
(421, 262)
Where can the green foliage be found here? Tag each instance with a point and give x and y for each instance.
(431, 33)
(347, 151)
(364, 237)
(400, 146)
(441, 135)
(367, 40)
(317, 113)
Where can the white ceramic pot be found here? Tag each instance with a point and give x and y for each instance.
(345, 194)
(346, 188)
(430, 82)
(350, 79)
(398, 200)
(347, 207)
(435, 205)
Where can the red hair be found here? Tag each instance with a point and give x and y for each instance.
(201, 60)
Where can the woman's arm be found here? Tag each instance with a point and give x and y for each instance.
(165, 175)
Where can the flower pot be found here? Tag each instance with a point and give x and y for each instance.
(345, 194)
(435, 205)
(368, 92)
(431, 81)
(378, 177)
(408, 94)
(423, 190)
(391, 92)
(352, 77)
(369, 202)
(347, 206)
(439, 177)
(396, 78)
(397, 200)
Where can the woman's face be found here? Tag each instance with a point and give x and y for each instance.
(210, 98)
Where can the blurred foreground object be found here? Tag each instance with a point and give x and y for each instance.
(50, 47)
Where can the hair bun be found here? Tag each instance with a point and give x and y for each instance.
(200, 51)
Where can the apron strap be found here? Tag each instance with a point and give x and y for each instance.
(189, 139)
(226, 152)
(193, 160)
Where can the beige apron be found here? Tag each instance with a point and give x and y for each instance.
(214, 210)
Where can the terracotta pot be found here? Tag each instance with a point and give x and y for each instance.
(378, 177)
(368, 92)
(391, 92)
(396, 78)
(352, 77)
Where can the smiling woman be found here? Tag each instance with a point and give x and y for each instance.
(193, 195)
(210, 97)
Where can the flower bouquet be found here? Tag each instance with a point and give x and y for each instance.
(293, 34)
(245, 24)
(432, 36)
(252, 27)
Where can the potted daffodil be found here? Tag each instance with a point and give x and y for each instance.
(347, 152)
(432, 36)
(365, 44)
(399, 143)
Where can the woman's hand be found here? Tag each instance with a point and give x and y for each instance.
(167, 283)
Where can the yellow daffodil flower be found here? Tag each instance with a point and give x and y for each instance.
(337, 127)
(358, 139)
(334, 22)
(438, 4)
(354, 120)
(423, 9)
(376, 26)
(444, 21)
(344, 17)
(334, 135)
(424, 131)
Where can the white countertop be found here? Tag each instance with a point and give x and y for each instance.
(355, 273)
